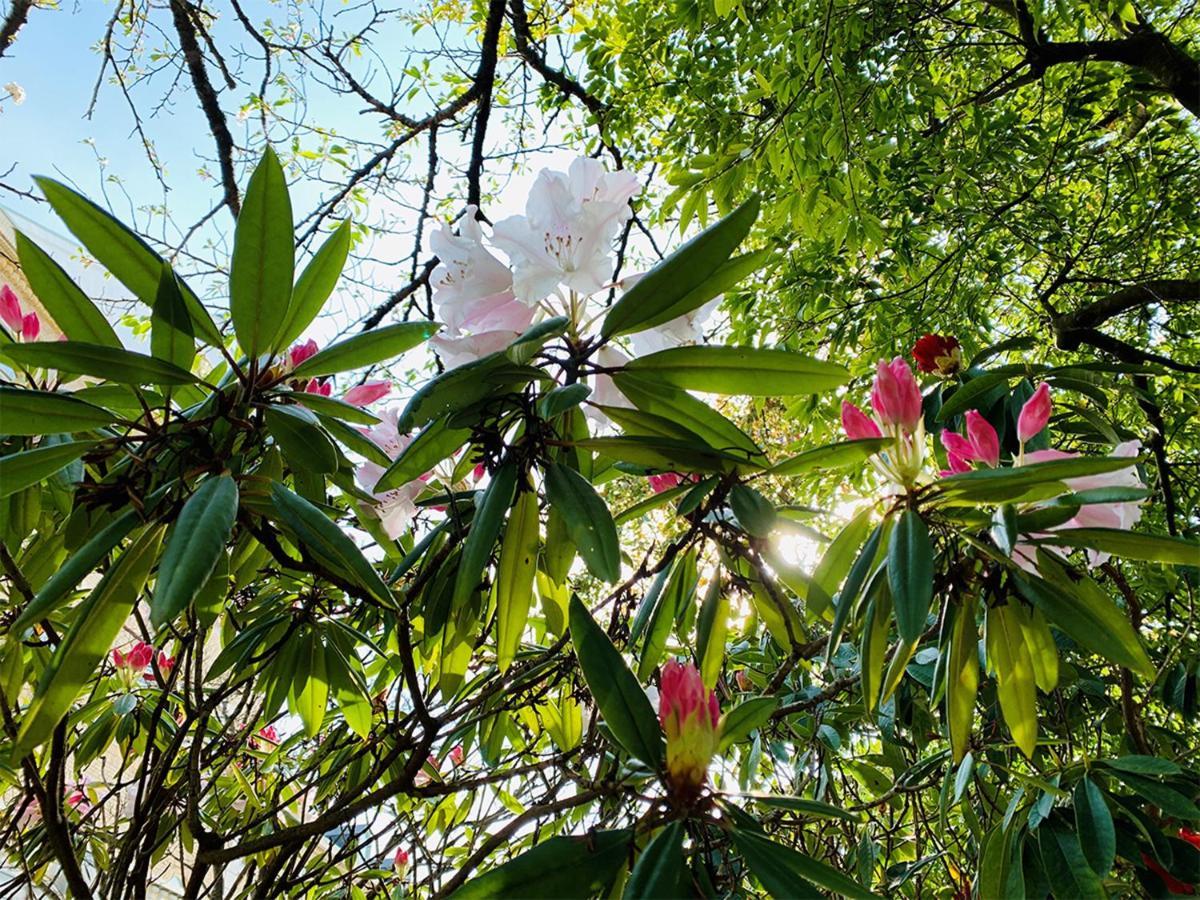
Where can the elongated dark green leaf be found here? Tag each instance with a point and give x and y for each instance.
(785, 872)
(1130, 544)
(26, 412)
(194, 547)
(560, 399)
(622, 702)
(435, 443)
(87, 641)
(571, 868)
(170, 325)
(514, 576)
(1166, 798)
(1065, 865)
(459, 387)
(300, 437)
(754, 512)
(803, 805)
(657, 452)
(1143, 765)
(485, 528)
(852, 587)
(831, 456)
(1094, 823)
(910, 574)
(121, 251)
(334, 408)
(973, 392)
(264, 259)
(309, 695)
(1090, 619)
(660, 873)
(661, 399)
(677, 594)
(68, 305)
(588, 520)
(753, 371)
(83, 561)
(744, 718)
(681, 274)
(315, 284)
(109, 363)
(1009, 485)
(19, 470)
(712, 624)
(732, 272)
(328, 541)
(366, 349)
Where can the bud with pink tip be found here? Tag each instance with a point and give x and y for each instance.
(456, 755)
(985, 445)
(857, 424)
(689, 715)
(664, 481)
(31, 326)
(300, 352)
(895, 396)
(10, 309)
(367, 393)
(400, 862)
(1034, 414)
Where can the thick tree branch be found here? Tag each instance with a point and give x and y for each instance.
(182, 13)
(1161, 291)
(485, 78)
(18, 12)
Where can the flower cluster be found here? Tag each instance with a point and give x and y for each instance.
(24, 326)
(136, 660)
(896, 402)
(690, 719)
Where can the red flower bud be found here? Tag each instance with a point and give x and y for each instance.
(938, 353)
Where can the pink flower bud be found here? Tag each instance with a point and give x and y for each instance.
(118, 658)
(689, 715)
(895, 396)
(30, 326)
(10, 309)
(1034, 414)
(300, 352)
(400, 862)
(985, 445)
(140, 656)
(367, 393)
(664, 482)
(268, 733)
(857, 424)
(319, 386)
(457, 755)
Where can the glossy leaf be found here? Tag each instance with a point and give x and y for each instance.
(785, 872)
(300, 437)
(560, 867)
(514, 576)
(195, 545)
(910, 574)
(315, 284)
(485, 528)
(1008, 658)
(1130, 544)
(27, 412)
(69, 307)
(27, 467)
(622, 702)
(264, 258)
(366, 349)
(109, 363)
(659, 873)
(436, 442)
(588, 520)
(1094, 824)
(831, 456)
(741, 370)
(170, 325)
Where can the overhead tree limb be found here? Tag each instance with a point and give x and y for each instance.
(182, 13)
(1146, 293)
(18, 13)
(485, 79)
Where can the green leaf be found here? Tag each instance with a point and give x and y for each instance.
(1169, 800)
(324, 538)
(170, 325)
(561, 867)
(67, 304)
(121, 252)
(109, 363)
(462, 386)
(711, 627)
(1130, 544)
(910, 574)
(804, 806)
(974, 391)
(96, 626)
(754, 512)
(348, 692)
(962, 678)
(1089, 617)
(660, 873)
(658, 398)
(331, 407)
(485, 528)
(20, 470)
(785, 872)
(1011, 485)
(436, 442)
(366, 349)
(83, 561)
(196, 543)
(1065, 865)
(557, 401)
(264, 258)
(657, 295)
(675, 596)
(1094, 823)
(310, 684)
(301, 438)
(514, 576)
(745, 718)
(1008, 657)
(831, 456)
(837, 559)
(1143, 765)
(588, 520)
(847, 597)
(753, 371)
(622, 702)
(26, 412)
(315, 284)
(670, 454)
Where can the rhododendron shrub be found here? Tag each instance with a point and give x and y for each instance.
(540, 619)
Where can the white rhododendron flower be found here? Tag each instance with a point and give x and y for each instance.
(470, 284)
(16, 92)
(566, 235)
(396, 508)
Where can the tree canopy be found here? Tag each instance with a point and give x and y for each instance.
(664, 448)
